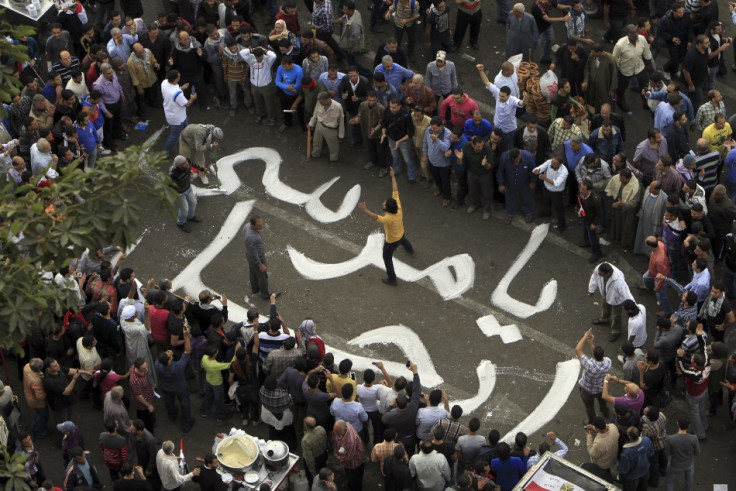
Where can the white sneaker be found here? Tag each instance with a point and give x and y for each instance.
(620, 358)
(105, 151)
(203, 178)
(667, 75)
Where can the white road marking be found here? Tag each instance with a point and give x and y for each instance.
(500, 296)
(230, 182)
(448, 286)
(490, 326)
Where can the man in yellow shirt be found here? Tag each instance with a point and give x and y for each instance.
(718, 133)
(393, 226)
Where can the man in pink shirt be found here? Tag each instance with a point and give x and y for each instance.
(461, 107)
(659, 264)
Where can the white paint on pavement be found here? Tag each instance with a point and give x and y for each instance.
(486, 383)
(449, 285)
(501, 297)
(190, 279)
(230, 182)
(566, 376)
(490, 326)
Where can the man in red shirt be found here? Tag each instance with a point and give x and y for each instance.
(460, 106)
(159, 317)
(659, 264)
(697, 376)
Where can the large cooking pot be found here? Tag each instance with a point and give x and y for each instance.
(276, 455)
(237, 453)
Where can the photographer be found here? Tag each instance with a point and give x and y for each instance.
(204, 310)
(403, 413)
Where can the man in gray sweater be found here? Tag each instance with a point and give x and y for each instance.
(255, 253)
(682, 448)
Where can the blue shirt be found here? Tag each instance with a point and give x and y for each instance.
(397, 74)
(352, 412)
(515, 176)
(687, 105)
(384, 96)
(291, 77)
(663, 117)
(730, 164)
(88, 137)
(572, 158)
(482, 130)
(435, 150)
(508, 472)
(172, 378)
(332, 85)
(49, 92)
(458, 145)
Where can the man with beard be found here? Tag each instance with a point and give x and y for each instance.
(188, 57)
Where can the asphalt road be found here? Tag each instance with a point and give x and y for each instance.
(521, 373)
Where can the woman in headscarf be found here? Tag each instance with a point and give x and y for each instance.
(308, 331)
(280, 32)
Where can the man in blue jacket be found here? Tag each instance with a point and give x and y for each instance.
(516, 181)
(633, 463)
(288, 80)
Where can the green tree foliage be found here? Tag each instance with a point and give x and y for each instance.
(42, 232)
(9, 83)
(12, 470)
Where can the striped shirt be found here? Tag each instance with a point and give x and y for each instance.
(593, 374)
(710, 162)
(268, 342)
(140, 386)
(453, 429)
(382, 450)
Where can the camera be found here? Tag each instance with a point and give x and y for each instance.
(408, 363)
(216, 297)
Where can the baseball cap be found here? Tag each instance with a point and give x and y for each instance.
(441, 55)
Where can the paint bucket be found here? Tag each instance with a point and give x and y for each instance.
(32, 10)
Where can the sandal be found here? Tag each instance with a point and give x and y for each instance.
(507, 220)
(437, 192)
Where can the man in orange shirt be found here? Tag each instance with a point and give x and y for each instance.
(393, 226)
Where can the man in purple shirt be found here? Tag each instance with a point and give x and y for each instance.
(112, 96)
(633, 397)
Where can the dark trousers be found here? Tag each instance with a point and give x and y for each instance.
(388, 255)
(590, 237)
(657, 467)
(327, 38)
(356, 134)
(186, 408)
(411, 37)
(114, 473)
(461, 177)
(461, 25)
(286, 102)
(623, 85)
(375, 151)
(148, 418)
(639, 484)
(355, 478)
(113, 127)
(320, 461)
(199, 86)
(441, 177)
(589, 402)
(375, 419)
(480, 190)
(553, 204)
(258, 280)
(677, 53)
(614, 32)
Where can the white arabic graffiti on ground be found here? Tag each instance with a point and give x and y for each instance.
(448, 286)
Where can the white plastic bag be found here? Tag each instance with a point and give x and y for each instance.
(515, 60)
(548, 85)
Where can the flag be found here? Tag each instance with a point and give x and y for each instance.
(183, 467)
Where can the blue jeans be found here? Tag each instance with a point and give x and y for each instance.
(216, 394)
(689, 474)
(186, 408)
(696, 407)
(731, 190)
(549, 39)
(186, 205)
(404, 151)
(175, 131)
(663, 300)
(590, 237)
(673, 255)
(40, 422)
(710, 82)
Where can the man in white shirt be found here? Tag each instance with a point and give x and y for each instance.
(554, 175)
(78, 85)
(506, 104)
(430, 468)
(428, 416)
(507, 77)
(611, 283)
(167, 465)
(41, 156)
(637, 331)
(260, 62)
(175, 107)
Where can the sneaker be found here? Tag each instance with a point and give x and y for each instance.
(195, 219)
(184, 227)
(382, 173)
(203, 178)
(620, 358)
(486, 215)
(369, 165)
(388, 281)
(105, 151)
(471, 209)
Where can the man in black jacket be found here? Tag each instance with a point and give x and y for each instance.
(399, 128)
(403, 413)
(209, 479)
(353, 90)
(181, 174)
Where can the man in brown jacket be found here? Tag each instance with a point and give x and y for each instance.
(142, 67)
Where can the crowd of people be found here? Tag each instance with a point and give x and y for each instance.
(669, 200)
